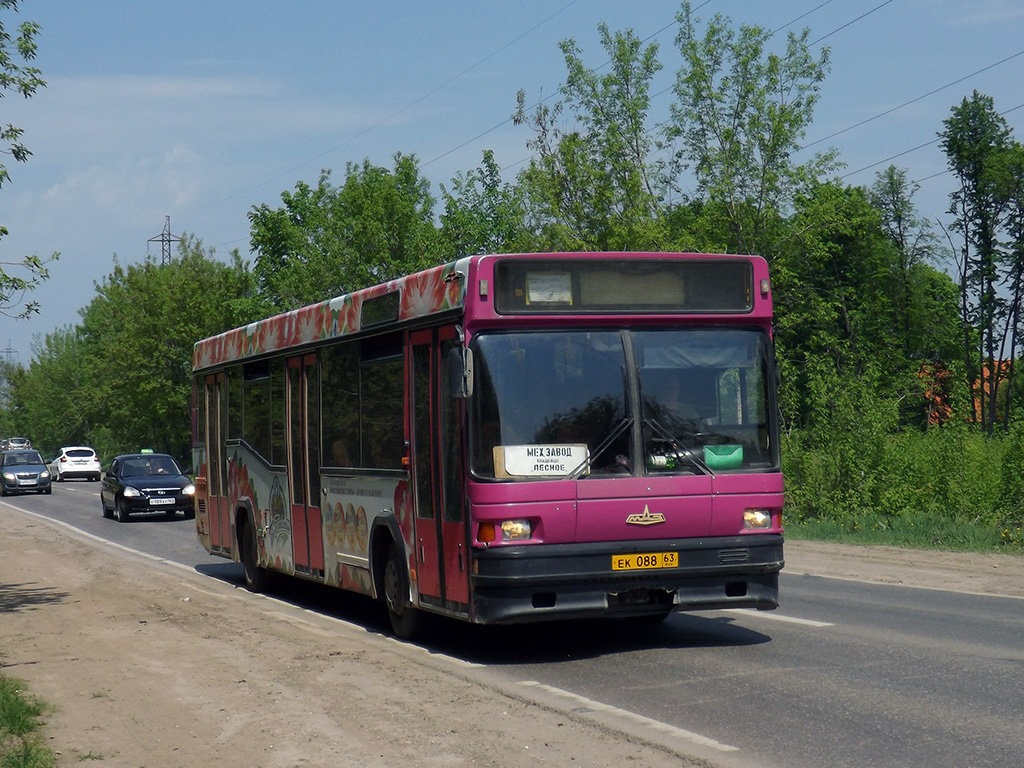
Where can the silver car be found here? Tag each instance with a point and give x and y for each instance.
(22, 472)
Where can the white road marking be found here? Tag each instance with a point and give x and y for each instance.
(779, 617)
(584, 706)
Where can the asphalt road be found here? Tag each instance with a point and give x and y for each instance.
(844, 674)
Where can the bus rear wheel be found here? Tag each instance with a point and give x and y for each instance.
(406, 621)
(255, 576)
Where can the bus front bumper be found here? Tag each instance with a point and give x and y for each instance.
(519, 584)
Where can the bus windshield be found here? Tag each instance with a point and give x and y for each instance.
(592, 403)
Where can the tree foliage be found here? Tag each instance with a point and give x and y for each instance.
(121, 379)
(595, 186)
(17, 75)
(742, 112)
(482, 214)
(985, 160)
(329, 240)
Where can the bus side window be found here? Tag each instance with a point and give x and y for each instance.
(339, 370)
(340, 457)
(381, 423)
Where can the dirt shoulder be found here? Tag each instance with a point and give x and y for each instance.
(989, 574)
(149, 664)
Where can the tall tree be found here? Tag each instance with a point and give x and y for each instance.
(54, 392)
(138, 333)
(977, 140)
(596, 186)
(742, 112)
(829, 287)
(481, 214)
(1015, 265)
(833, 286)
(328, 240)
(18, 76)
(914, 245)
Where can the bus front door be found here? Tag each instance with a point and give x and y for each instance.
(436, 467)
(303, 402)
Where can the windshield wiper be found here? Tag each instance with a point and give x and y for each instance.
(585, 465)
(678, 450)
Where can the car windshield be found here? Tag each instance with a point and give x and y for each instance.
(22, 458)
(148, 466)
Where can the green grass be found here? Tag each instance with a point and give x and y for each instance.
(21, 744)
(912, 531)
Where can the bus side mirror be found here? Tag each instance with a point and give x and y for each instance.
(460, 372)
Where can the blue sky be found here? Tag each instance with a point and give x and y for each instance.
(201, 109)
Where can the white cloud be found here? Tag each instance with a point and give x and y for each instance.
(979, 13)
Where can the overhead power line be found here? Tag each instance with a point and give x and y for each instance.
(411, 104)
(914, 100)
(849, 23)
(914, 149)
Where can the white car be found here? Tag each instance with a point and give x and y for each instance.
(75, 461)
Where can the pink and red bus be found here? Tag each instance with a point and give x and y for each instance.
(506, 438)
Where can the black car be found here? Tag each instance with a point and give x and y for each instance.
(146, 482)
(23, 471)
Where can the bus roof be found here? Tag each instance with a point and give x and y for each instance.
(433, 291)
(421, 294)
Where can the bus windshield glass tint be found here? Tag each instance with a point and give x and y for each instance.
(592, 403)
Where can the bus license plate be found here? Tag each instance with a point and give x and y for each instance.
(645, 561)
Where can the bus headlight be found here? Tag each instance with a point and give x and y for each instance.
(509, 530)
(516, 530)
(757, 519)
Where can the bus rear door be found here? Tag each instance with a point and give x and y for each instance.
(303, 399)
(214, 431)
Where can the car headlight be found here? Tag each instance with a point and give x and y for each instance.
(189, 490)
(45, 473)
(8, 475)
(130, 492)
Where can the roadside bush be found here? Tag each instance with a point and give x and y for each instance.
(951, 486)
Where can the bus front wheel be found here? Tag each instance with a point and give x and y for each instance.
(406, 621)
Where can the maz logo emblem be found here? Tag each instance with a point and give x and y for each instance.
(646, 518)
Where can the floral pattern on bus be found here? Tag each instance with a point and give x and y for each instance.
(350, 507)
(355, 579)
(421, 294)
(273, 524)
(427, 292)
(240, 489)
(346, 314)
(403, 512)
